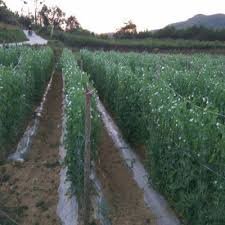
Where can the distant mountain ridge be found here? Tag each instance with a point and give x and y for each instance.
(215, 21)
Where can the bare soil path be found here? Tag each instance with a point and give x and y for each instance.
(125, 199)
(34, 39)
(28, 191)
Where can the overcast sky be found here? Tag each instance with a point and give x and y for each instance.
(107, 16)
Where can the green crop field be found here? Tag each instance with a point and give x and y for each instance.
(173, 105)
(24, 73)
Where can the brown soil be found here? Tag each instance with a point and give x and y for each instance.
(125, 199)
(28, 191)
(141, 151)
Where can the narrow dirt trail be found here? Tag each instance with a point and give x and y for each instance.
(125, 199)
(31, 188)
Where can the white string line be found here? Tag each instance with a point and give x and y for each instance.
(8, 217)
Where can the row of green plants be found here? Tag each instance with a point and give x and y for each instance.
(9, 56)
(75, 83)
(22, 83)
(184, 139)
(12, 35)
(199, 79)
(148, 44)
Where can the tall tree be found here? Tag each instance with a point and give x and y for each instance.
(2, 4)
(129, 27)
(37, 3)
(44, 16)
(129, 30)
(26, 20)
(3, 10)
(6, 15)
(72, 23)
(57, 17)
(52, 16)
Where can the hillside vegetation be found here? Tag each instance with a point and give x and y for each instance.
(216, 21)
(11, 33)
(10, 30)
(146, 44)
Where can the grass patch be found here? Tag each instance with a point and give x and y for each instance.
(10, 33)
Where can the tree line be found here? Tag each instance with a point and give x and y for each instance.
(194, 33)
(45, 17)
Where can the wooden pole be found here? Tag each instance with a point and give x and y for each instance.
(87, 158)
(52, 30)
(81, 65)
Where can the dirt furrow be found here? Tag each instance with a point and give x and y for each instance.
(125, 199)
(28, 191)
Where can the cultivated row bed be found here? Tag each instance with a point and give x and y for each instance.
(24, 73)
(173, 108)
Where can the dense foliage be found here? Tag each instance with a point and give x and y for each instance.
(75, 83)
(9, 56)
(193, 33)
(174, 106)
(10, 33)
(9, 36)
(22, 82)
(80, 40)
(6, 15)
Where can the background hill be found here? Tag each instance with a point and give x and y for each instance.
(216, 21)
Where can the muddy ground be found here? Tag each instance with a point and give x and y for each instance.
(28, 191)
(125, 199)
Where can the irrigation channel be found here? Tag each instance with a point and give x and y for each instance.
(31, 189)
